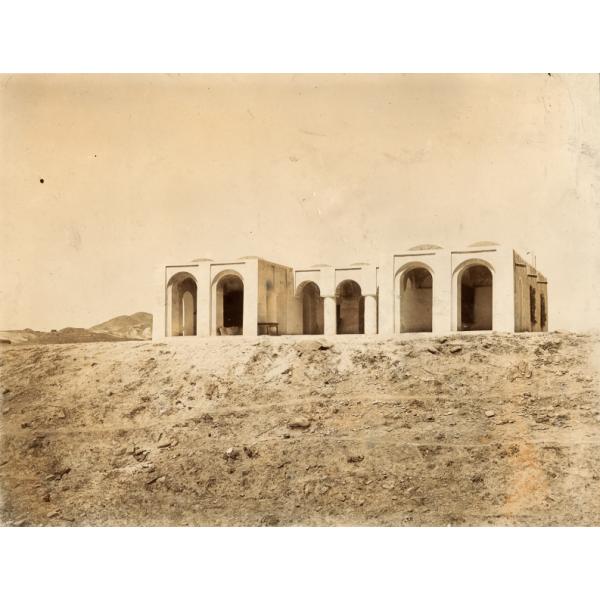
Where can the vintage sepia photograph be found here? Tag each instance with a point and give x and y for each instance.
(300, 300)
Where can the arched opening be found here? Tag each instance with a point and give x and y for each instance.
(182, 293)
(416, 300)
(230, 305)
(350, 308)
(312, 309)
(475, 298)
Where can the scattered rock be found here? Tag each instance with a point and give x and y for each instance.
(490, 413)
(432, 349)
(250, 452)
(299, 423)
(140, 454)
(355, 458)
(321, 489)
(455, 349)
(53, 513)
(57, 476)
(232, 454)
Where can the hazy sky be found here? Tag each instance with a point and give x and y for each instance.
(142, 170)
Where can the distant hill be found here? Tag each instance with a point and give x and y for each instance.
(137, 326)
(125, 327)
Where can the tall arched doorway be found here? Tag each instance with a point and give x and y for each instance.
(416, 300)
(229, 305)
(312, 309)
(182, 293)
(475, 287)
(350, 308)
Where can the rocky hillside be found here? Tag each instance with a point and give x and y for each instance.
(461, 430)
(126, 327)
(137, 326)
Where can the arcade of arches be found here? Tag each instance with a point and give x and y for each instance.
(427, 289)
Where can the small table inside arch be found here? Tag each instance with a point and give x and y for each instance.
(268, 328)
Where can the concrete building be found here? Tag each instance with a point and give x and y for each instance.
(427, 288)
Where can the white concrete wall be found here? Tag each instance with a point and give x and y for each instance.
(385, 281)
(203, 305)
(275, 289)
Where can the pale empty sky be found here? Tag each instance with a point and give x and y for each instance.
(143, 170)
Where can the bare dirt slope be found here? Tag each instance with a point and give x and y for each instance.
(464, 430)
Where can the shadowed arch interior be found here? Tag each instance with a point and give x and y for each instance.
(350, 308)
(182, 293)
(475, 307)
(230, 305)
(416, 300)
(312, 310)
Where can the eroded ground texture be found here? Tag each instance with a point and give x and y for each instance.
(419, 430)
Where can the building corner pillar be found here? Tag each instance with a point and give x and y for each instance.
(370, 314)
(329, 316)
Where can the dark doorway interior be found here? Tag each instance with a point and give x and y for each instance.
(232, 290)
(312, 310)
(233, 309)
(476, 299)
(350, 308)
